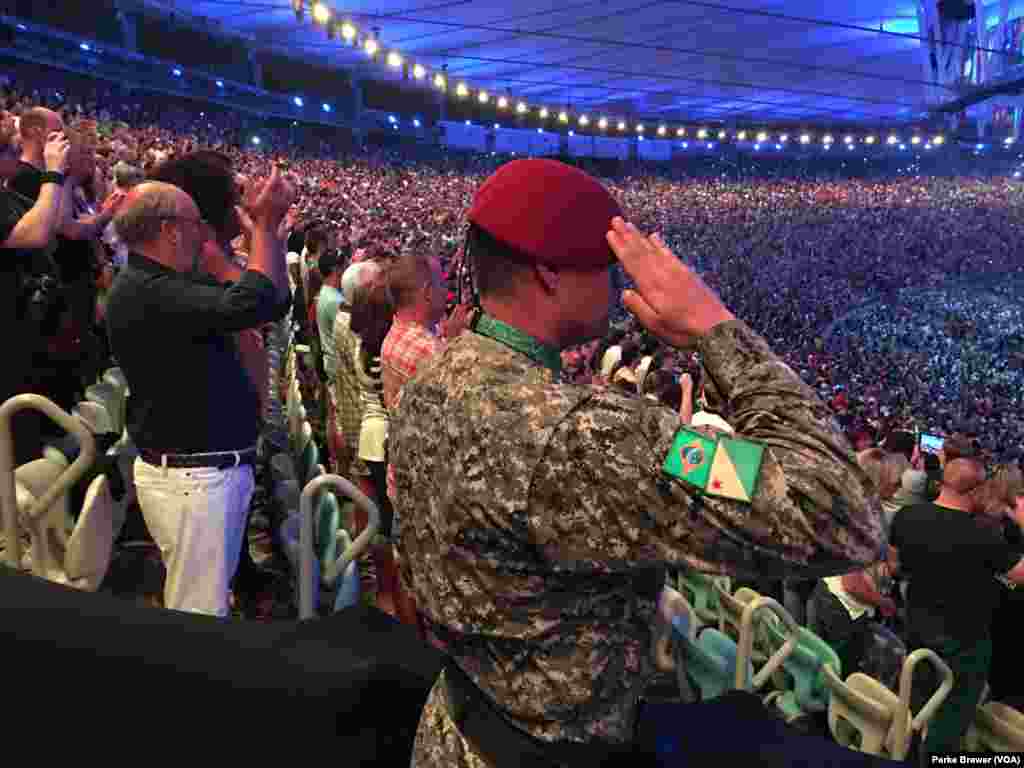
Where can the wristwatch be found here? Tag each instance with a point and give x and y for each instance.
(52, 177)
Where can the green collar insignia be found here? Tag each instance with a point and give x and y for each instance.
(503, 333)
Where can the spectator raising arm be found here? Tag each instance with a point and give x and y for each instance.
(36, 228)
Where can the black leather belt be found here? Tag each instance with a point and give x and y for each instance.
(223, 460)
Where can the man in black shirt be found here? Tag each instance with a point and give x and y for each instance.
(71, 259)
(953, 564)
(25, 229)
(195, 412)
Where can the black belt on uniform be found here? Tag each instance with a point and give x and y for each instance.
(506, 746)
(222, 460)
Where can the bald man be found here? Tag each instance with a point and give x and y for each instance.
(953, 564)
(33, 128)
(195, 412)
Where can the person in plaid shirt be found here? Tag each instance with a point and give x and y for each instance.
(419, 295)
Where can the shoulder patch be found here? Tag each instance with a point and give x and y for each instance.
(727, 467)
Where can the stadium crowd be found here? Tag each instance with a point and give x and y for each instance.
(896, 300)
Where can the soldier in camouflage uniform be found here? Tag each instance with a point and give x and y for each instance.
(531, 508)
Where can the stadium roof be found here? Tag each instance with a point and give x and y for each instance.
(857, 61)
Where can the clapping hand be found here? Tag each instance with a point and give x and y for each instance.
(265, 204)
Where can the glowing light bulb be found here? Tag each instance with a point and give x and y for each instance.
(419, 72)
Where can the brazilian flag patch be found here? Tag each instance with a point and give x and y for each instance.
(726, 467)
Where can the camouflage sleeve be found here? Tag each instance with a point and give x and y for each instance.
(600, 498)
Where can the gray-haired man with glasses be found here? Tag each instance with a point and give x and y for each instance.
(195, 412)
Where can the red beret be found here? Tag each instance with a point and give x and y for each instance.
(552, 213)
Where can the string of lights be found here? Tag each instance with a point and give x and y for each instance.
(339, 27)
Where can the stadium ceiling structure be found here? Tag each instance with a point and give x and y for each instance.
(850, 61)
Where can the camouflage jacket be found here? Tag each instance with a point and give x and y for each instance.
(529, 506)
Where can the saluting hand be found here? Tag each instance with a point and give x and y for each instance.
(670, 300)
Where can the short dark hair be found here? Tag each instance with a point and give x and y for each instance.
(497, 267)
(209, 182)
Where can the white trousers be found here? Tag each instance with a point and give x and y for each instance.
(197, 518)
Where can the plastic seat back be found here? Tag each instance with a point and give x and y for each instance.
(91, 546)
(46, 520)
(348, 592)
(111, 399)
(699, 591)
(996, 728)
(339, 566)
(711, 663)
(860, 711)
(95, 417)
(806, 692)
(866, 715)
(115, 377)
